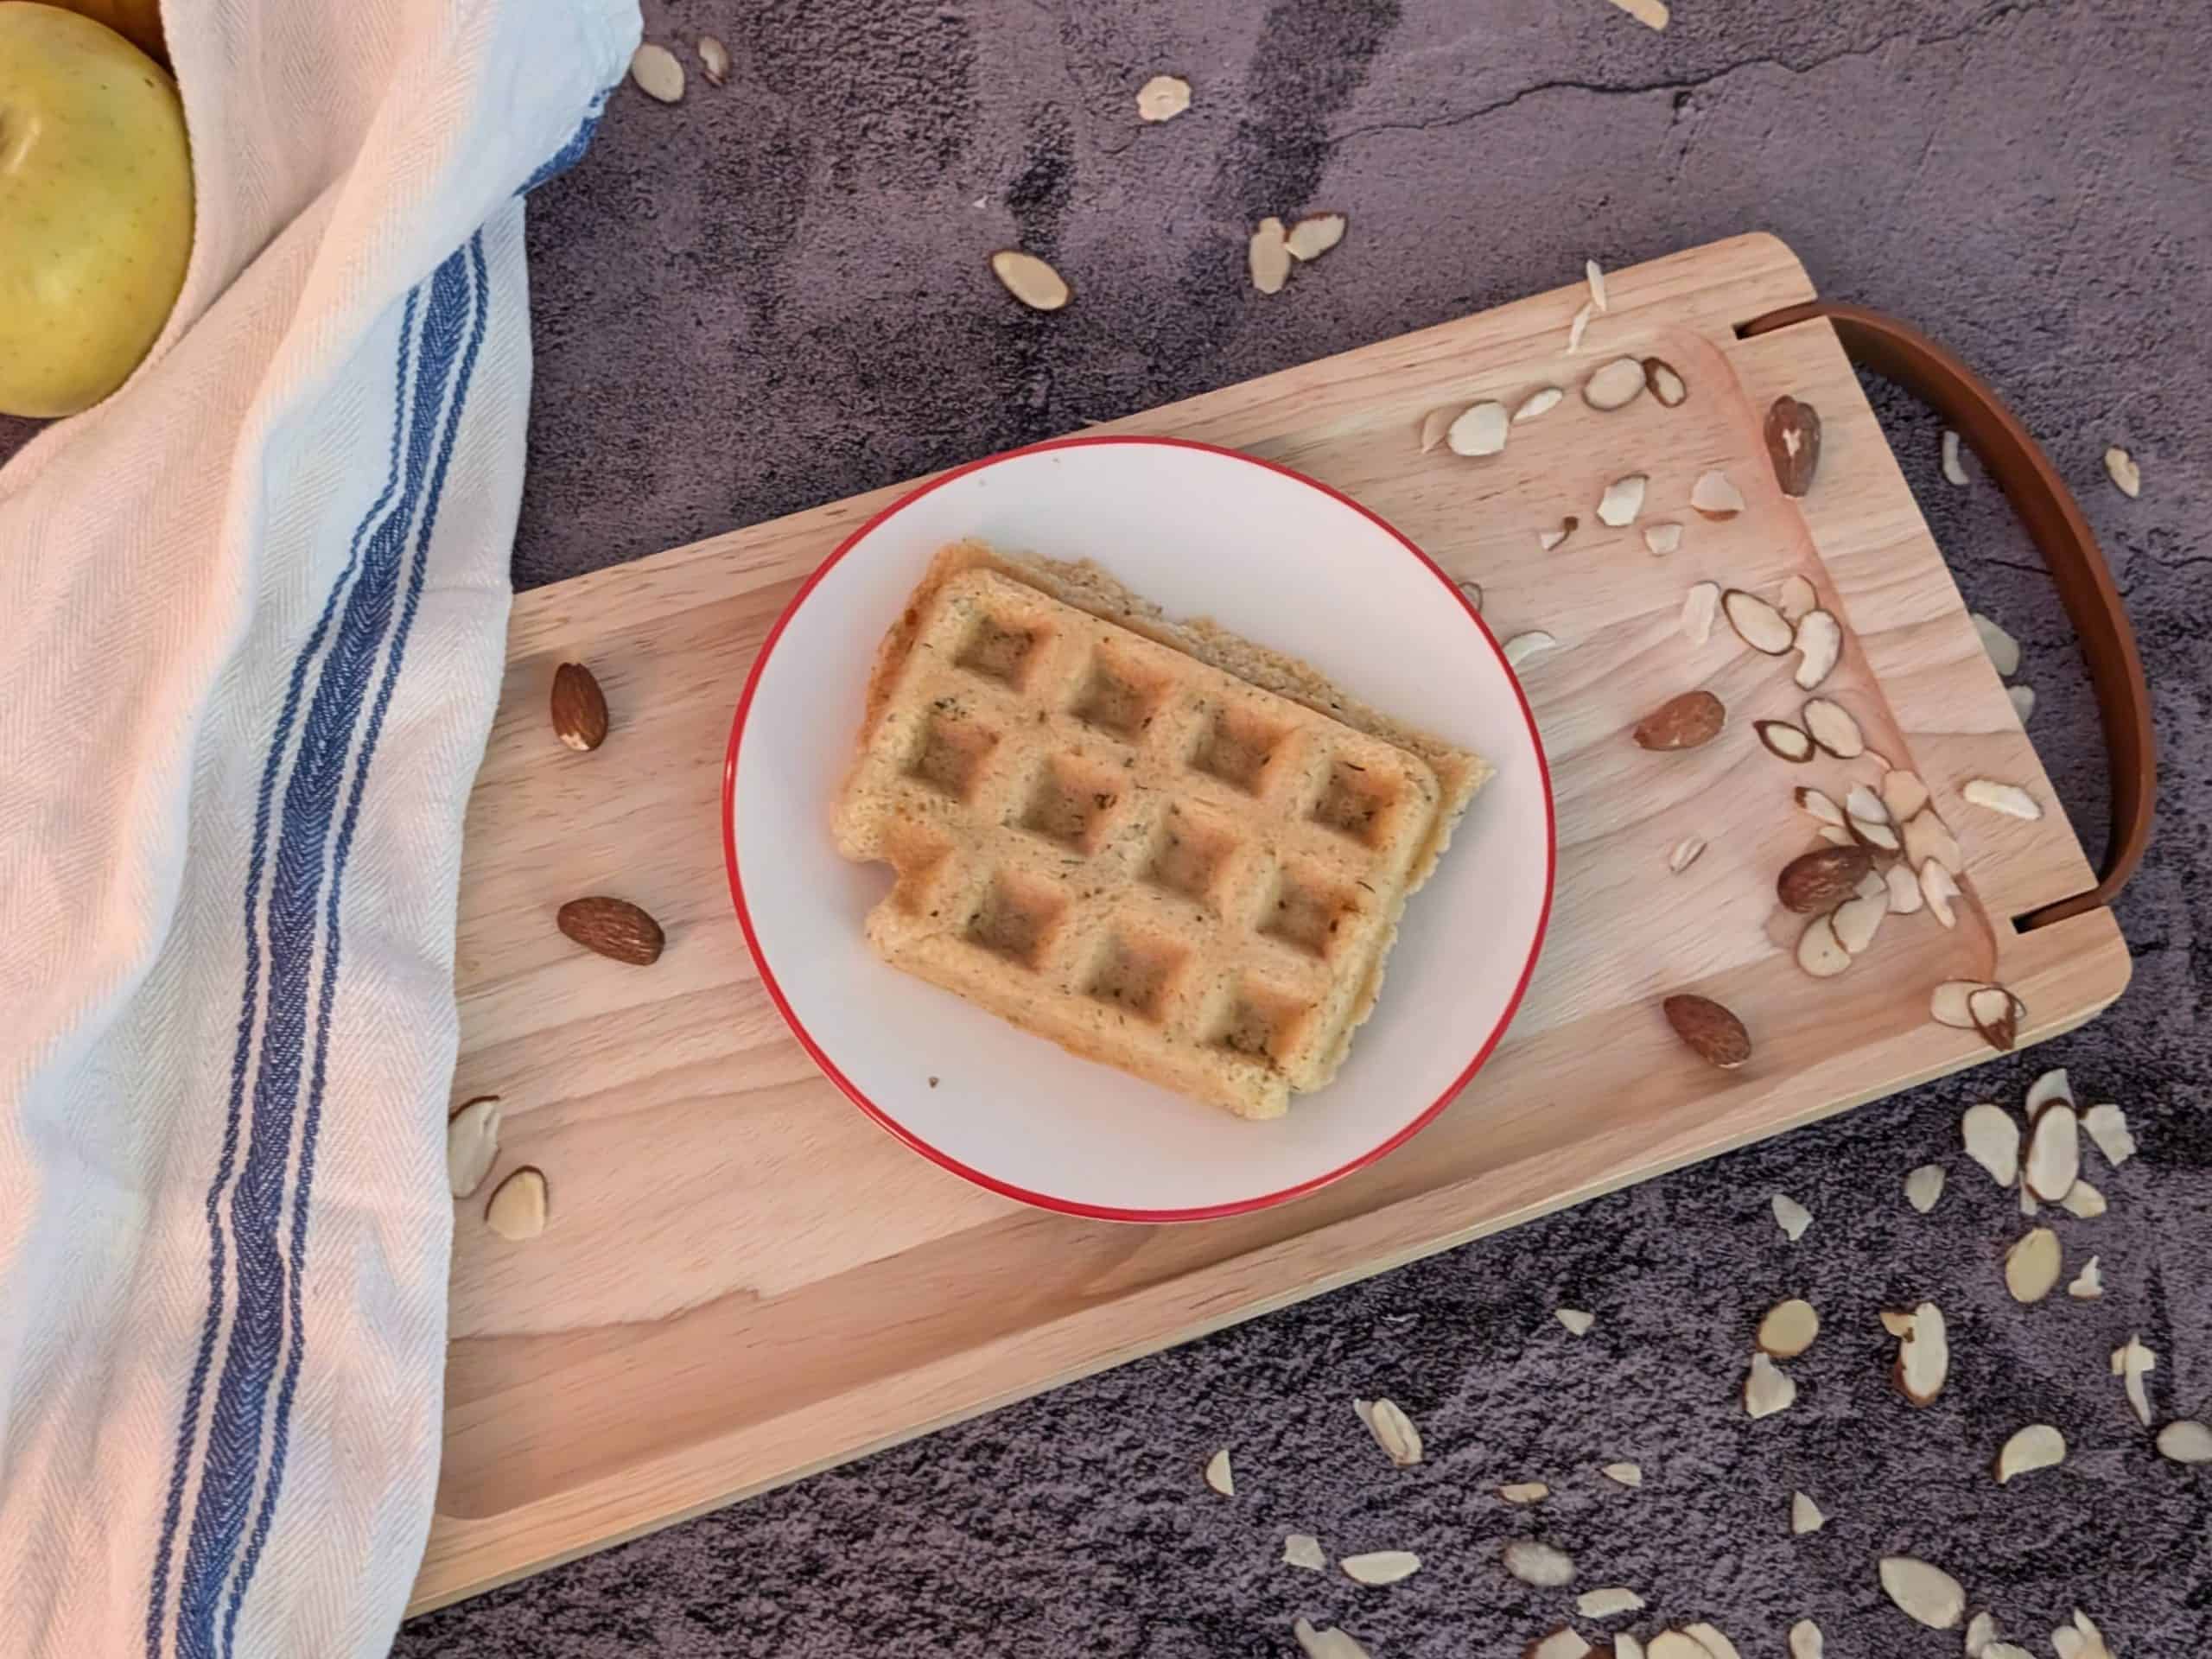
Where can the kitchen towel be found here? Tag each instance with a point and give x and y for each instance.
(252, 612)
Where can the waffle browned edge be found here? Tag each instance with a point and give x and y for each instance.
(1088, 588)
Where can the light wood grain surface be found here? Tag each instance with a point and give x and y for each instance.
(743, 1281)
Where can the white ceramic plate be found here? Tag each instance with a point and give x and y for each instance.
(1276, 557)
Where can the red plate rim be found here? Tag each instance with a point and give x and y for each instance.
(945, 1160)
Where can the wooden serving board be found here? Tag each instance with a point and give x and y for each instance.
(744, 1281)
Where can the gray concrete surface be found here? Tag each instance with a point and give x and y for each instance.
(774, 294)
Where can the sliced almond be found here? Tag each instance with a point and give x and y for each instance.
(1615, 385)
(1793, 444)
(1594, 274)
(1784, 740)
(1665, 385)
(1924, 1187)
(1393, 1430)
(1218, 1476)
(1267, 256)
(1709, 1638)
(2052, 1088)
(2004, 649)
(1815, 883)
(1525, 1491)
(1688, 721)
(1548, 539)
(1686, 851)
(2185, 1441)
(1577, 1322)
(1708, 1030)
(1480, 430)
(1805, 1514)
(1662, 539)
(1922, 1593)
(1436, 423)
(2126, 475)
(1700, 606)
(1327, 1644)
(1820, 952)
(1797, 599)
(2084, 1202)
(1539, 1564)
(2023, 701)
(2036, 1446)
(1757, 624)
(2009, 798)
(1923, 1362)
(1806, 1640)
(1906, 896)
(2107, 1126)
(2131, 1362)
(2031, 1266)
(1574, 329)
(1625, 1645)
(1474, 590)
(1820, 804)
(1542, 401)
(2089, 1284)
(1981, 1630)
(1993, 1016)
(1858, 919)
(1767, 1390)
(1953, 470)
(657, 73)
(2054, 1159)
(1561, 1644)
(1941, 891)
(1622, 500)
(1624, 1474)
(1521, 646)
(1675, 1644)
(1314, 235)
(1789, 1329)
(518, 1206)
(472, 1144)
(1836, 835)
(1030, 280)
(1715, 496)
(1928, 837)
(714, 60)
(1163, 98)
(1829, 724)
(1819, 643)
(1304, 1549)
(1791, 1217)
(1608, 1601)
(1381, 1566)
(1992, 1140)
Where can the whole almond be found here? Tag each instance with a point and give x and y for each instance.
(1688, 721)
(613, 927)
(1793, 443)
(1708, 1031)
(579, 707)
(1823, 879)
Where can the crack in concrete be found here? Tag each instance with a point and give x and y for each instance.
(1994, 15)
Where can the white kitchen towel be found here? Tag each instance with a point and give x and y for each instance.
(252, 612)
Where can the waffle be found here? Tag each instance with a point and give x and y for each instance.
(1118, 844)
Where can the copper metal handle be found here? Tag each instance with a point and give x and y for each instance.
(2054, 523)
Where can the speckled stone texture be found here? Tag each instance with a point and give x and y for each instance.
(774, 294)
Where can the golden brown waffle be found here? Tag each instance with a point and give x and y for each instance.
(1108, 842)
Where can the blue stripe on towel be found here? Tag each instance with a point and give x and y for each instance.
(297, 1346)
(236, 1427)
(250, 999)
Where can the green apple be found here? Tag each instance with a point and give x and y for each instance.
(95, 207)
